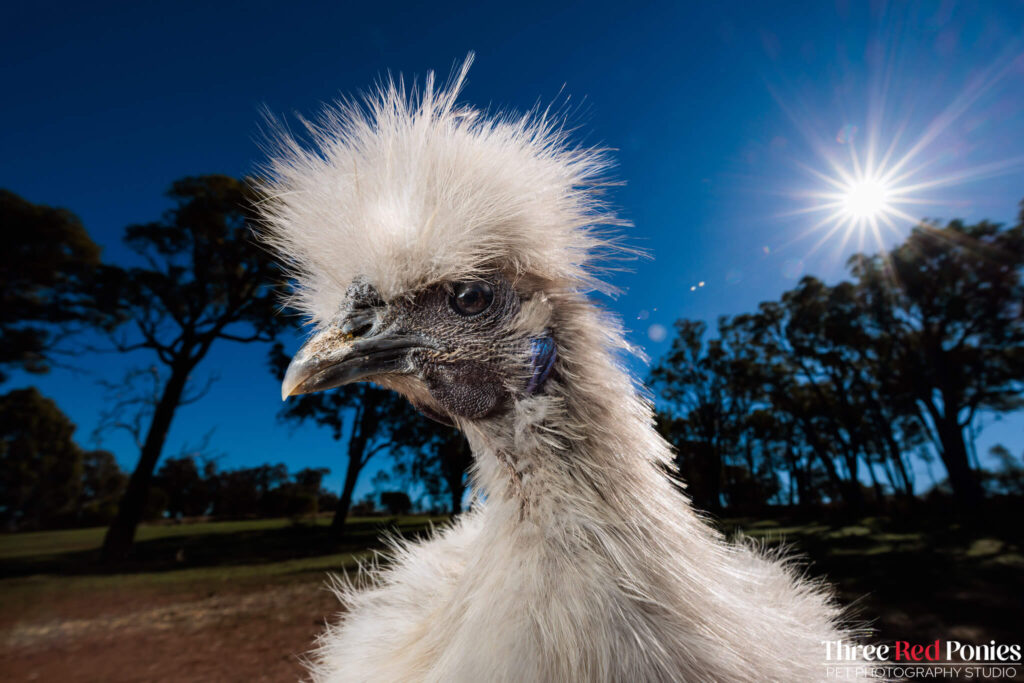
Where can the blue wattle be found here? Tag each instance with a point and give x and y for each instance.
(542, 359)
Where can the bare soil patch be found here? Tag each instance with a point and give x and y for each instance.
(259, 634)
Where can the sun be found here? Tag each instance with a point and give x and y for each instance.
(866, 199)
(875, 178)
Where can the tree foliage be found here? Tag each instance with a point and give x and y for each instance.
(46, 479)
(841, 387)
(373, 420)
(47, 262)
(204, 280)
(436, 460)
(396, 502)
(188, 486)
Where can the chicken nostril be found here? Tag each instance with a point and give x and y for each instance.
(358, 324)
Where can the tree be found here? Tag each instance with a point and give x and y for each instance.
(691, 460)
(40, 464)
(455, 458)
(103, 484)
(237, 493)
(372, 418)
(310, 479)
(798, 389)
(301, 496)
(848, 368)
(396, 502)
(204, 280)
(187, 492)
(46, 261)
(950, 299)
(710, 391)
(437, 457)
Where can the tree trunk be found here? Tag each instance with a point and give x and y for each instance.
(962, 478)
(876, 485)
(345, 501)
(713, 463)
(908, 484)
(848, 489)
(364, 425)
(457, 494)
(121, 534)
(853, 481)
(455, 460)
(897, 458)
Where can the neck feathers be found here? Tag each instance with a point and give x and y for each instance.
(579, 499)
(585, 447)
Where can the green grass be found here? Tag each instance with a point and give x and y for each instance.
(203, 551)
(25, 592)
(50, 543)
(913, 578)
(49, 567)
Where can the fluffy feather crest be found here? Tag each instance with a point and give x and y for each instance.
(408, 188)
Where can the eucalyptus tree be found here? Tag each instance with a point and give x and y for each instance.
(709, 390)
(47, 261)
(794, 388)
(950, 301)
(849, 369)
(41, 466)
(436, 456)
(371, 419)
(201, 280)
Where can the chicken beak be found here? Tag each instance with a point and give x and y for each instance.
(333, 357)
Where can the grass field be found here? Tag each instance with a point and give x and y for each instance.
(243, 600)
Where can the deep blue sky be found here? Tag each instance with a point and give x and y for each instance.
(717, 110)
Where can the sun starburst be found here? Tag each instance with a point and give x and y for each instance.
(864, 197)
(874, 185)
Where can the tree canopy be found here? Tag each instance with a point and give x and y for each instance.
(47, 261)
(46, 479)
(204, 280)
(836, 388)
(372, 419)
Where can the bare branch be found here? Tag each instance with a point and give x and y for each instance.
(200, 393)
(255, 337)
(129, 404)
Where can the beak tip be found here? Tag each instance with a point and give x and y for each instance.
(293, 379)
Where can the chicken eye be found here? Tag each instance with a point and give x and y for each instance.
(472, 298)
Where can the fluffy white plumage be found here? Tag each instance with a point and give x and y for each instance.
(585, 563)
(409, 189)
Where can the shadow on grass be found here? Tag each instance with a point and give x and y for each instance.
(916, 576)
(243, 547)
(916, 579)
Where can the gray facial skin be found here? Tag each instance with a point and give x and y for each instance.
(449, 364)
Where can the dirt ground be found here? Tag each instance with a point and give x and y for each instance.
(256, 635)
(245, 602)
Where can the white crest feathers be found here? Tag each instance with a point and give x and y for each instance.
(408, 188)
